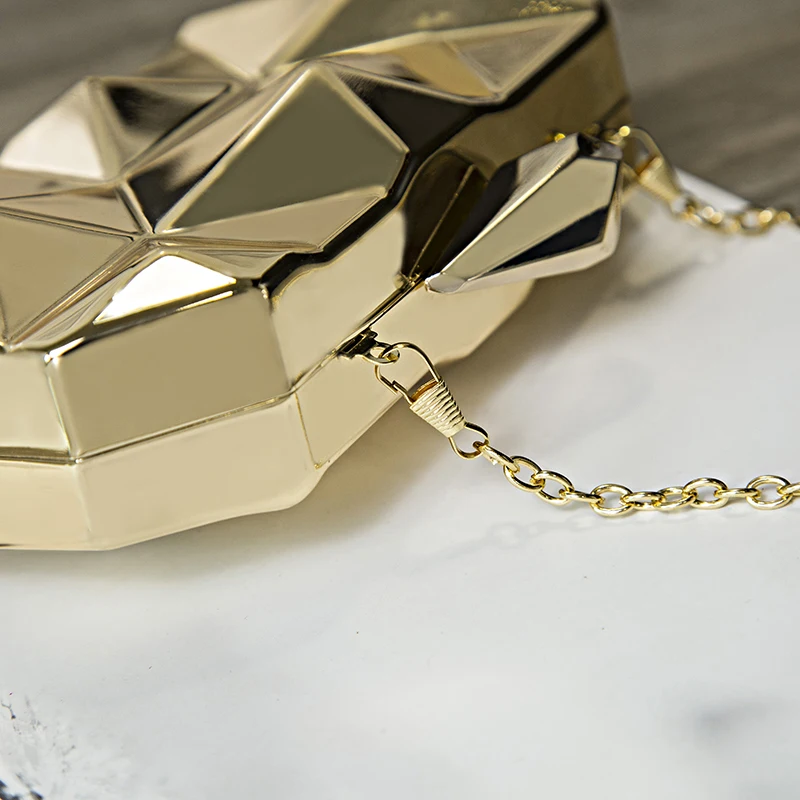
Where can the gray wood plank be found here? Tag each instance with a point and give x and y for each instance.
(717, 82)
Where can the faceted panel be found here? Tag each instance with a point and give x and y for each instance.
(183, 64)
(480, 66)
(43, 506)
(297, 227)
(554, 210)
(422, 121)
(509, 56)
(363, 21)
(75, 318)
(29, 420)
(561, 99)
(255, 462)
(42, 263)
(102, 123)
(162, 184)
(252, 36)
(19, 183)
(435, 67)
(61, 140)
(237, 263)
(167, 280)
(147, 279)
(136, 113)
(100, 207)
(169, 372)
(317, 141)
(313, 315)
(438, 199)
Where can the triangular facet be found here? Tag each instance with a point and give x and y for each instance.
(434, 67)
(181, 63)
(167, 280)
(553, 210)
(508, 56)
(18, 183)
(41, 263)
(136, 113)
(318, 141)
(421, 120)
(360, 22)
(301, 226)
(101, 207)
(163, 184)
(61, 140)
(239, 264)
(251, 36)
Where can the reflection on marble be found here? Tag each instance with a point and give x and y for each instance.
(452, 638)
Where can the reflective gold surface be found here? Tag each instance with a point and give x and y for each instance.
(553, 210)
(185, 251)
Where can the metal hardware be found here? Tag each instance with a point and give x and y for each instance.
(432, 402)
(531, 219)
(435, 404)
(652, 171)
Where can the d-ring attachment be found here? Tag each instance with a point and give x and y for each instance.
(390, 354)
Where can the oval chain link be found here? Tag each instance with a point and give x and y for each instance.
(652, 171)
(765, 493)
(614, 500)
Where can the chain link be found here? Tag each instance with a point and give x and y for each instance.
(615, 500)
(650, 170)
(766, 492)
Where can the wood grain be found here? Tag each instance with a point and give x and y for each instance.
(716, 81)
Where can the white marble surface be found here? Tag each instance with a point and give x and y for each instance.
(416, 629)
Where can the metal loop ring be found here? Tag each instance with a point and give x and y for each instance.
(612, 511)
(385, 357)
(738, 494)
(643, 501)
(686, 207)
(793, 490)
(535, 485)
(562, 498)
(683, 499)
(582, 497)
(711, 216)
(718, 501)
(755, 221)
(468, 455)
(769, 505)
(497, 457)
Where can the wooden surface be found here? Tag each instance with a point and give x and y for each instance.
(716, 81)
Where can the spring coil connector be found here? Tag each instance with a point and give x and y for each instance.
(436, 405)
(433, 401)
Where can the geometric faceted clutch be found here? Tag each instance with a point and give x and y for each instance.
(191, 254)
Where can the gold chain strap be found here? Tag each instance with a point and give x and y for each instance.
(652, 172)
(434, 403)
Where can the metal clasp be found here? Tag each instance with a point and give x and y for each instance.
(654, 172)
(390, 354)
(432, 401)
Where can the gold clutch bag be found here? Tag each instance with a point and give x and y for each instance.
(192, 256)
